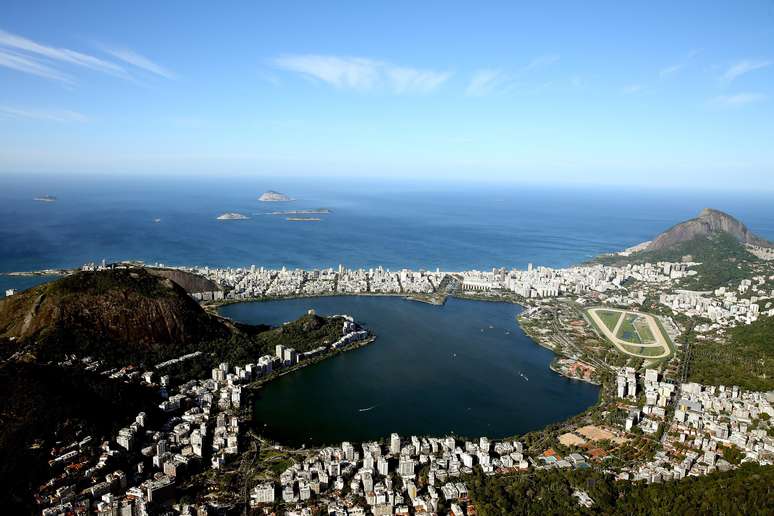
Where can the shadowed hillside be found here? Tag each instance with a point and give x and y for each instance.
(120, 316)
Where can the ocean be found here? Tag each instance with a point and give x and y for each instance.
(388, 223)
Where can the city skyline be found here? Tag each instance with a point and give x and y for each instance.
(670, 95)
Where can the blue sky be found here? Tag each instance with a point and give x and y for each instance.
(673, 93)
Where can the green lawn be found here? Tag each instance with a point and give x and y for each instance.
(628, 332)
(610, 318)
(646, 336)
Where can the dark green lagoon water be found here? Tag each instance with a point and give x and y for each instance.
(464, 368)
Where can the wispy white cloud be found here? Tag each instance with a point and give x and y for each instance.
(23, 64)
(670, 70)
(493, 80)
(362, 74)
(142, 62)
(485, 81)
(677, 67)
(631, 89)
(47, 115)
(62, 55)
(737, 99)
(28, 56)
(744, 66)
(541, 61)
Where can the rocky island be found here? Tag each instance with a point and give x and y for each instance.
(318, 211)
(272, 196)
(232, 216)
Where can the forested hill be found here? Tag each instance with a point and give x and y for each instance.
(715, 239)
(122, 316)
(744, 491)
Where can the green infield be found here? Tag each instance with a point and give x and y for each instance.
(610, 318)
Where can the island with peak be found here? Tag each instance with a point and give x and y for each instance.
(272, 196)
(232, 216)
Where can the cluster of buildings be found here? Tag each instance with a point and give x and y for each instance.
(724, 307)
(658, 396)
(712, 428)
(197, 426)
(535, 282)
(400, 477)
(541, 282)
(255, 282)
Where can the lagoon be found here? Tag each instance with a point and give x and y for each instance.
(465, 368)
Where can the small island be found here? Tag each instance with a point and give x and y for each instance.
(232, 216)
(45, 198)
(272, 196)
(319, 211)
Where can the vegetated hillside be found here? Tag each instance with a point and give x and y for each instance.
(189, 281)
(304, 334)
(709, 222)
(747, 490)
(120, 316)
(41, 405)
(746, 359)
(714, 238)
(723, 259)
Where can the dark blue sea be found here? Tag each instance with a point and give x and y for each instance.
(456, 368)
(390, 223)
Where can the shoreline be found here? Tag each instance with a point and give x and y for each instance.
(213, 307)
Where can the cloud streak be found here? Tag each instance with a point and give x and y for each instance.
(737, 100)
(25, 65)
(743, 67)
(362, 74)
(141, 62)
(631, 89)
(33, 114)
(484, 82)
(670, 70)
(541, 61)
(62, 55)
(28, 56)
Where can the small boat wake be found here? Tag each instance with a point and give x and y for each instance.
(523, 376)
(367, 409)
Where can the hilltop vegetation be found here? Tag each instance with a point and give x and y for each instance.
(723, 260)
(746, 359)
(747, 490)
(119, 316)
